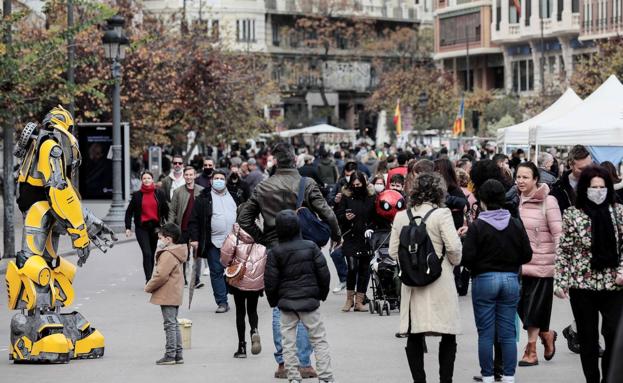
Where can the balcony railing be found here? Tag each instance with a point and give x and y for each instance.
(602, 25)
(514, 29)
(551, 26)
(377, 8)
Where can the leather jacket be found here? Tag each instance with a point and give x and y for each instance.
(277, 193)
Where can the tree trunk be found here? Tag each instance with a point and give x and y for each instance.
(9, 185)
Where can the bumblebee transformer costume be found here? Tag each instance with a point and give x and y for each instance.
(39, 283)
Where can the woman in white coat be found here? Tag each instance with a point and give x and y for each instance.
(432, 309)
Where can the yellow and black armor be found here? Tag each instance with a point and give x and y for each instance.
(39, 282)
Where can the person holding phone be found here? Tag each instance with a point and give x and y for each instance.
(354, 213)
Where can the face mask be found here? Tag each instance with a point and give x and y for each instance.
(359, 190)
(269, 164)
(218, 185)
(597, 195)
(379, 188)
(162, 244)
(347, 178)
(208, 172)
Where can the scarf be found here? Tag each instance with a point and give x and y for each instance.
(603, 236)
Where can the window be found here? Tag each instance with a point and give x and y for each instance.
(498, 14)
(276, 35)
(453, 29)
(546, 9)
(245, 30)
(526, 17)
(575, 6)
(513, 16)
(561, 6)
(523, 75)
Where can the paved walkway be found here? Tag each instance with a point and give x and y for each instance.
(109, 292)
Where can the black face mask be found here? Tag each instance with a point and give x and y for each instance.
(359, 191)
(208, 172)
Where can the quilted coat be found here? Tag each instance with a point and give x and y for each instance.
(253, 254)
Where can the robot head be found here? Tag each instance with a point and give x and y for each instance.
(61, 122)
(59, 118)
(388, 203)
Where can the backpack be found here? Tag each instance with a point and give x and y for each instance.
(419, 263)
(312, 227)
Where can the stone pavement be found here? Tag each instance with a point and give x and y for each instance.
(109, 293)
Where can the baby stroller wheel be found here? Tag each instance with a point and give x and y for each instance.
(386, 307)
(371, 306)
(379, 308)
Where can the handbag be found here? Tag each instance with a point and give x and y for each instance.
(235, 272)
(312, 228)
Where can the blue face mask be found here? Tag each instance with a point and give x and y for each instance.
(218, 185)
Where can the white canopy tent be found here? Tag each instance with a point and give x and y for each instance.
(597, 121)
(324, 129)
(519, 134)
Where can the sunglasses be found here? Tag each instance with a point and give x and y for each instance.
(178, 163)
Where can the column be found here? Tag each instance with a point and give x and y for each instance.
(504, 20)
(535, 18)
(536, 57)
(567, 55)
(508, 72)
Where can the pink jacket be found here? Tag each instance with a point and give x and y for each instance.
(541, 217)
(247, 251)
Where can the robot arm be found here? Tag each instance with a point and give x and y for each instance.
(62, 197)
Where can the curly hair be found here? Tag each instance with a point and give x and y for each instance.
(428, 187)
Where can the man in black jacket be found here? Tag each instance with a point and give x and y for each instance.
(277, 193)
(296, 280)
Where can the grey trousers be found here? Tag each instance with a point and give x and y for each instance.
(173, 347)
(317, 337)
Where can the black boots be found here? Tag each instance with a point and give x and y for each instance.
(242, 350)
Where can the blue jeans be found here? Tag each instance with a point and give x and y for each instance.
(495, 296)
(303, 347)
(340, 264)
(217, 275)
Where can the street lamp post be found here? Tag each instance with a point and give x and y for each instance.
(115, 43)
(423, 103)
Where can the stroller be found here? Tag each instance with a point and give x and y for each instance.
(384, 275)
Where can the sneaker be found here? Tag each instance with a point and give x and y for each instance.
(340, 286)
(179, 360)
(199, 285)
(497, 378)
(206, 272)
(222, 308)
(281, 372)
(308, 372)
(165, 361)
(256, 346)
(401, 335)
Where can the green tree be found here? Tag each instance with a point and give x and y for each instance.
(593, 69)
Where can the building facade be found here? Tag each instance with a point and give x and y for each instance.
(463, 44)
(601, 19)
(315, 86)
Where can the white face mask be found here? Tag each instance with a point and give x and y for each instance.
(597, 195)
(379, 188)
(162, 244)
(347, 178)
(269, 164)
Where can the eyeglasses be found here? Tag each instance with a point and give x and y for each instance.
(177, 163)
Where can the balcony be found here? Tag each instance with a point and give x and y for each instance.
(601, 28)
(551, 28)
(370, 8)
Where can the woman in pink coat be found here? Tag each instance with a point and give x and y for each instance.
(239, 248)
(541, 217)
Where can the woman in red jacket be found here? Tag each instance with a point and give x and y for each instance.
(541, 217)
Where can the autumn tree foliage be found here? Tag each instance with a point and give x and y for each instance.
(592, 70)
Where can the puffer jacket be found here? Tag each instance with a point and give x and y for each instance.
(297, 276)
(249, 252)
(277, 193)
(167, 282)
(541, 218)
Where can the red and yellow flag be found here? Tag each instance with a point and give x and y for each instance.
(459, 122)
(398, 119)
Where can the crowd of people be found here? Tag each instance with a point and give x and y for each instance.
(521, 232)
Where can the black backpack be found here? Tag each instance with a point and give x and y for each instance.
(419, 263)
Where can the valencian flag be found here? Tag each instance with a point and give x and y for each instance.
(459, 123)
(398, 119)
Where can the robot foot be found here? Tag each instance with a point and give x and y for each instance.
(39, 339)
(88, 342)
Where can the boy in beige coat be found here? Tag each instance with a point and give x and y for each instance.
(166, 287)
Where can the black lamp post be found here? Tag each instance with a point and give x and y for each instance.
(115, 43)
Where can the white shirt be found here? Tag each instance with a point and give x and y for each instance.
(223, 217)
(175, 183)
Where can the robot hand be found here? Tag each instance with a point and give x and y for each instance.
(98, 232)
(83, 255)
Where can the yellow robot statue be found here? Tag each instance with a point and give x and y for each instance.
(39, 283)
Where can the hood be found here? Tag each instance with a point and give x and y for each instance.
(499, 219)
(371, 161)
(327, 161)
(287, 225)
(243, 236)
(540, 195)
(179, 251)
(618, 186)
